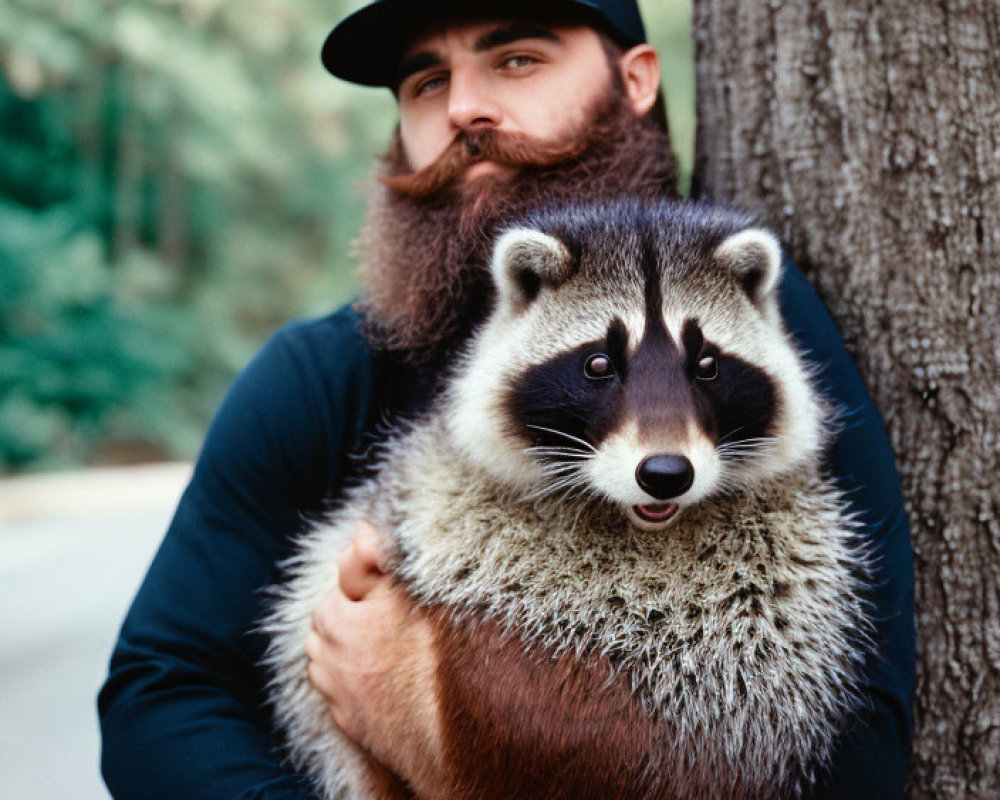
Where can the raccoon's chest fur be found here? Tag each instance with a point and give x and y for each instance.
(739, 627)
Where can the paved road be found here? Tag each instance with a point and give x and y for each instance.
(73, 549)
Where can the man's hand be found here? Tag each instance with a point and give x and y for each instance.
(371, 654)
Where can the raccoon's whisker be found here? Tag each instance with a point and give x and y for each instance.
(583, 442)
(554, 448)
(566, 477)
(568, 464)
(755, 440)
(745, 447)
(559, 470)
(547, 489)
(563, 463)
(728, 437)
(558, 452)
(575, 492)
(748, 450)
(731, 434)
(742, 455)
(573, 463)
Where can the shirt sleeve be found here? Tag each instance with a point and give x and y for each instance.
(182, 711)
(872, 756)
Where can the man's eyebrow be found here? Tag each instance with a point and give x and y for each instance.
(496, 37)
(505, 34)
(425, 59)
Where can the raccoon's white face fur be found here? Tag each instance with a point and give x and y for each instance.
(637, 357)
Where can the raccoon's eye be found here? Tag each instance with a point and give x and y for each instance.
(707, 369)
(598, 367)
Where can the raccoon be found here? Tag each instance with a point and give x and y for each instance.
(642, 584)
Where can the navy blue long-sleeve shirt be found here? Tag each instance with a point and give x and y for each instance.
(182, 712)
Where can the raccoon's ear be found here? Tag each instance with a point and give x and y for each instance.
(754, 259)
(524, 261)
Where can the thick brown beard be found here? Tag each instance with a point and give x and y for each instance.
(425, 244)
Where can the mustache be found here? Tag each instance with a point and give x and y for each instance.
(505, 149)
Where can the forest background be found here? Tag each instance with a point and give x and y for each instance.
(177, 179)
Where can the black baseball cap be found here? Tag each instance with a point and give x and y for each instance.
(365, 47)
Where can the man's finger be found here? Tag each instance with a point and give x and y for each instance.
(360, 568)
(369, 543)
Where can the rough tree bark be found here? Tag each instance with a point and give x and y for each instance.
(868, 133)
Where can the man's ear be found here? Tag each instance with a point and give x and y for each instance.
(525, 261)
(640, 68)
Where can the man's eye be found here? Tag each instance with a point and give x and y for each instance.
(518, 62)
(429, 84)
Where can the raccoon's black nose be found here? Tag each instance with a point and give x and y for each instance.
(665, 476)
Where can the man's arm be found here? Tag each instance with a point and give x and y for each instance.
(872, 758)
(182, 712)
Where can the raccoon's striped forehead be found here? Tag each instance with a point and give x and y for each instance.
(618, 237)
(626, 294)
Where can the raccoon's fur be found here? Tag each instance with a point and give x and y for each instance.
(621, 476)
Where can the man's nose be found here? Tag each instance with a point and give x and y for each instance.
(471, 105)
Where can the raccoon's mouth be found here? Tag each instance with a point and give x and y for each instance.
(656, 513)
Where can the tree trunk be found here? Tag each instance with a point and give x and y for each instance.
(868, 134)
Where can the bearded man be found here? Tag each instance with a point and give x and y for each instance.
(505, 109)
